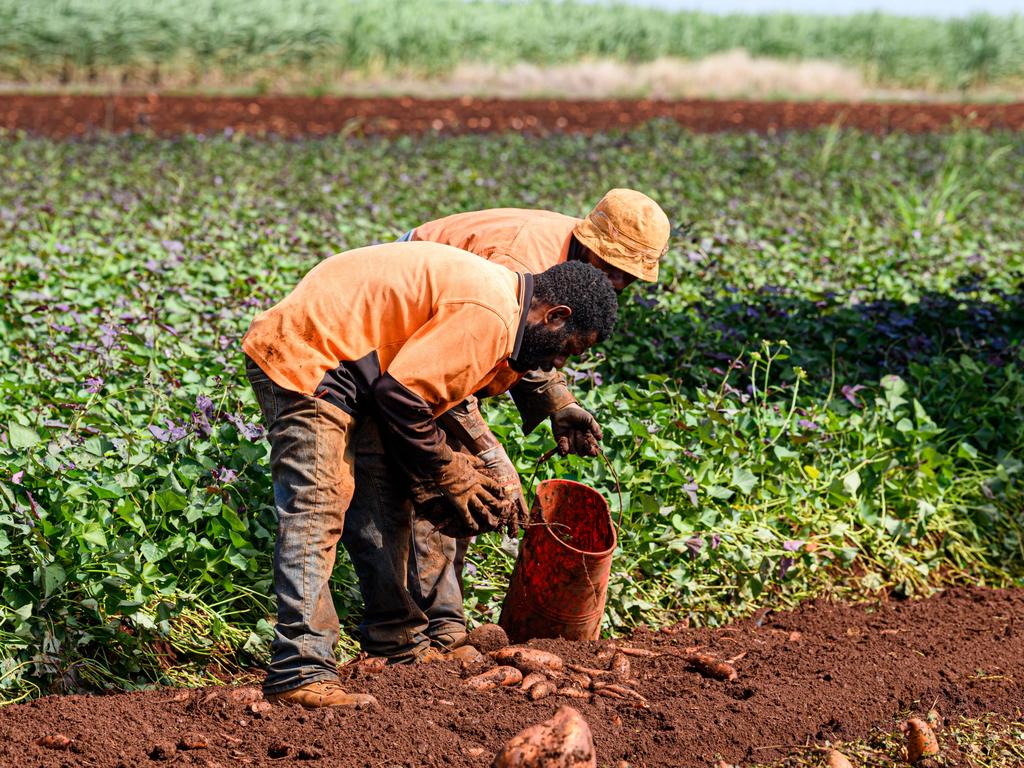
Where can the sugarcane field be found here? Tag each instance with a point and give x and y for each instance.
(512, 383)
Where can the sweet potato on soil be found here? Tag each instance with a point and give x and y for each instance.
(708, 666)
(837, 759)
(921, 741)
(589, 670)
(580, 679)
(466, 655)
(573, 691)
(486, 638)
(494, 678)
(607, 651)
(564, 741)
(56, 741)
(531, 680)
(619, 666)
(529, 659)
(542, 690)
(642, 653)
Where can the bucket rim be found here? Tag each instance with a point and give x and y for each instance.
(611, 521)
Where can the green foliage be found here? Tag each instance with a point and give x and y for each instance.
(144, 41)
(823, 392)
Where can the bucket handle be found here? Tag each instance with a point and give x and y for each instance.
(615, 476)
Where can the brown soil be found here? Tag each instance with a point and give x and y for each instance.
(821, 672)
(77, 115)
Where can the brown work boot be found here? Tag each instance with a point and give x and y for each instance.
(448, 640)
(323, 693)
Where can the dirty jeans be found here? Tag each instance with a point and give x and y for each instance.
(327, 465)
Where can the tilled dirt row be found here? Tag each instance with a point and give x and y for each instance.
(822, 672)
(62, 116)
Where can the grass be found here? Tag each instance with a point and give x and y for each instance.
(823, 393)
(312, 43)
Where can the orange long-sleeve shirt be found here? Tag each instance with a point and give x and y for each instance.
(418, 327)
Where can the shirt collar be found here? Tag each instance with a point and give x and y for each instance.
(525, 298)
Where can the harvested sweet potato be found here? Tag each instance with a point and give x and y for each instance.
(589, 670)
(619, 666)
(837, 759)
(466, 655)
(564, 741)
(921, 741)
(573, 691)
(531, 680)
(642, 653)
(580, 679)
(529, 659)
(607, 651)
(542, 690)
(56, 741)
(486, 637)
(495, 678)
(708, 666)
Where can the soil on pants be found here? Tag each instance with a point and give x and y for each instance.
(821, 672)
(62, 116)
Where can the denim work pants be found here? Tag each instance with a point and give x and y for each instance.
(325, 466)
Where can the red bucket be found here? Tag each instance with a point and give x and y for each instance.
(560, 582)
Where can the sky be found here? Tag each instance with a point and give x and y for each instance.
(943, 8)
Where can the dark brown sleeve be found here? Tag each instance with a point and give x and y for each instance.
(410, 429)
(539, 394)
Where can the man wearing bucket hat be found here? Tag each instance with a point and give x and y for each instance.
(624, 236)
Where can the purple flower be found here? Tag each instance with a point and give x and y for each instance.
(93, 384)
(173, 433)
(173, 246)
(691, 491)
(792, 546)
(250, 431)
(224, 475)
(108, 335)
(716, 541)
(785, 564)
(16, 477)
(694, 544)
(201, 424)
(205, 405)
(808, 425)
(850, 393)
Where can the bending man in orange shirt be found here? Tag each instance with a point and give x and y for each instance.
(624, 236)
(351, 371)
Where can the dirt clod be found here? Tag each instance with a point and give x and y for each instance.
(162, 750)
(260, 708)
(486, 638)
(564, 741)
(279, 749)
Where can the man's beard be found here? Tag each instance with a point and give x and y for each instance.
(540, 347)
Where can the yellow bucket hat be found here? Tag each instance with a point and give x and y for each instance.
(629, 231)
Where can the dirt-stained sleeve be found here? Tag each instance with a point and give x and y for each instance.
(447, 359)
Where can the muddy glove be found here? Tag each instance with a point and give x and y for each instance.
(497, 464)
(576, 431)
(473, 494)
